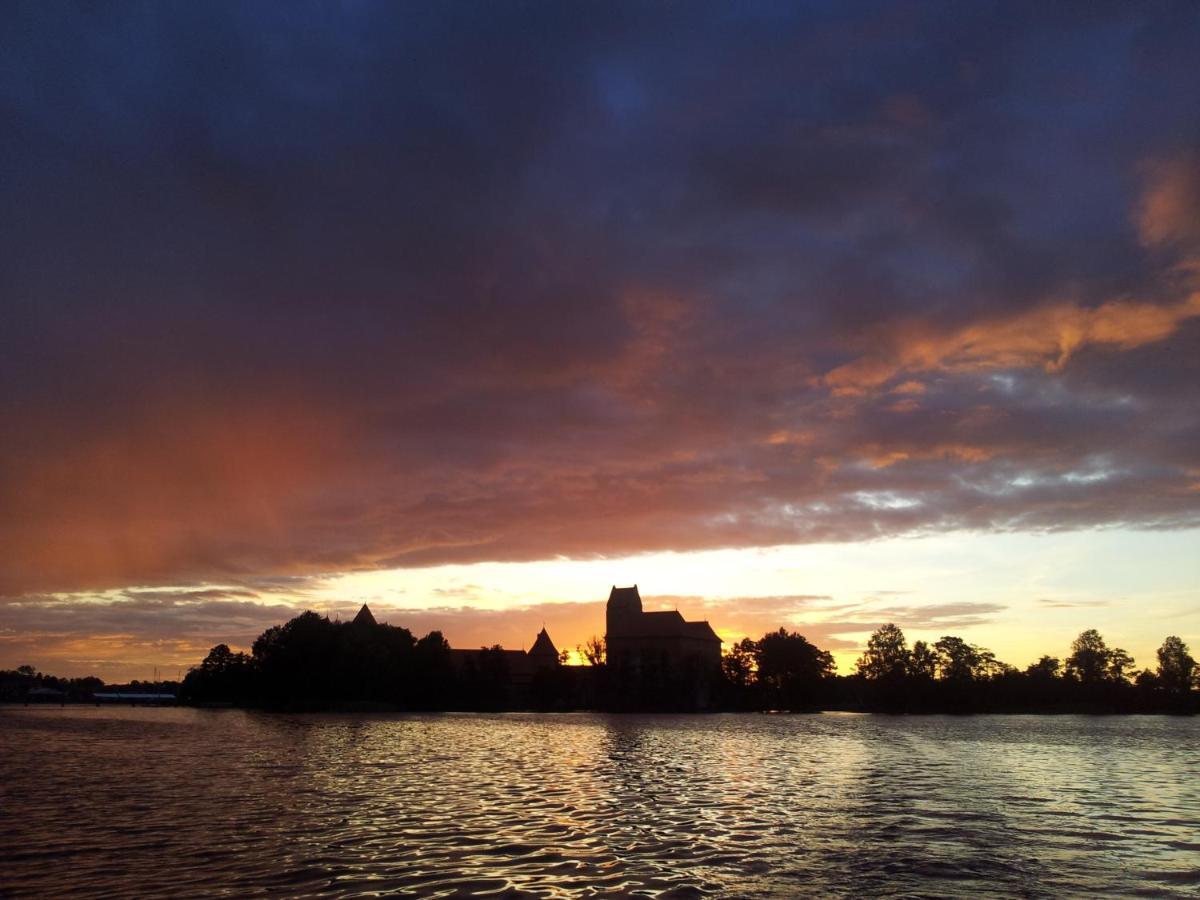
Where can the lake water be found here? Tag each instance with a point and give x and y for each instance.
(182, 802)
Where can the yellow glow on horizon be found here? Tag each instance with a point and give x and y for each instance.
(1032, 593)
(1021, 595)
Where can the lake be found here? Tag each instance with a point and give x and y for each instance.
(176, 801)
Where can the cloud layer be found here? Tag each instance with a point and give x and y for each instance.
(304, 290)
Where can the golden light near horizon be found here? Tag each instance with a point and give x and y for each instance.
(844, 591)
(1145, 587)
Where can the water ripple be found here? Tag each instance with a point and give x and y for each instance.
(179, 802)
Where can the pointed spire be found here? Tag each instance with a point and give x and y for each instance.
(543, 646)
(364, 616)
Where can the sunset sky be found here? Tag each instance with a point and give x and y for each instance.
(816, 315)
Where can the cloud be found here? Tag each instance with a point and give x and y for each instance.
(935, 616)
(399, 288)
(1169, 212)
(1050, 603)
(1046, 337)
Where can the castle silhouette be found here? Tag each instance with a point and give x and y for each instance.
(636, 639)
(636, 642)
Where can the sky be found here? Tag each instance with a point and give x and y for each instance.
(812, 315)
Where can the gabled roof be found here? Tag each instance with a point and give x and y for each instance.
(701, 630)
(667, 624)
(543, 646)
(661, 622)
(364, 616)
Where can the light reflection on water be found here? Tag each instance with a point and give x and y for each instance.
(175, 802)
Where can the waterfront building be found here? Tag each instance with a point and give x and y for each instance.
(637, 639)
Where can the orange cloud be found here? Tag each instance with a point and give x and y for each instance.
(1046, 337)
(1170, 208)
(149, 503)
(794, 438)
(881, 457)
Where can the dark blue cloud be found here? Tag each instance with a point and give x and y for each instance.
(373, 283)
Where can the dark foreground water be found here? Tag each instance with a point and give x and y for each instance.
(180, 802)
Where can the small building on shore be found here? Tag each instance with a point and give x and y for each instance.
(521, 666)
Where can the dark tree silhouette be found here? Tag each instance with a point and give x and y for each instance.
(593, 650)
(886, 655)
(739, 664)
(1176, 667)
(923, 661)
(1045, 668)
(957, 660)
(1093, 662)
(311, 662)
(790, 671)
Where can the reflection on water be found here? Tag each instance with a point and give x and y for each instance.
(176, 801)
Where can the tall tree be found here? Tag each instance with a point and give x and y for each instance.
(886, 655)
(957, 660)
(922, 660)
(593, 650)
(1176, 667)
(739, 664)
(790, 670)
(1120, 665)
(1090, 658)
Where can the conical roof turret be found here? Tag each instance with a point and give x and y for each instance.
(543, 646)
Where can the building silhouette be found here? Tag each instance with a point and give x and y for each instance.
(654, 660)
(636, 639)
(520, 666)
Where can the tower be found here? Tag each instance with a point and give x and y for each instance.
(623, 611)
(543, 653)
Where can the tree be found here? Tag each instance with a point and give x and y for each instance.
(740, 663)
(1176, 667)
(886, 655)
(218, 659)
(1120, 665)
(957, 660)
(1044, 669)
(222, 675)
(790, 670)
(1089, 659)
(922, 661)
(487, 679)
(593, 650)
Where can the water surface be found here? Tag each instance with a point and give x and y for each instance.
(183, 802)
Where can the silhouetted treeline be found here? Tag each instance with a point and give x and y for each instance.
(954, 676)
(778, 671)
(25, 684)
(314, 663)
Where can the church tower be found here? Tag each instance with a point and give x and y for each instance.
(624, 610)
